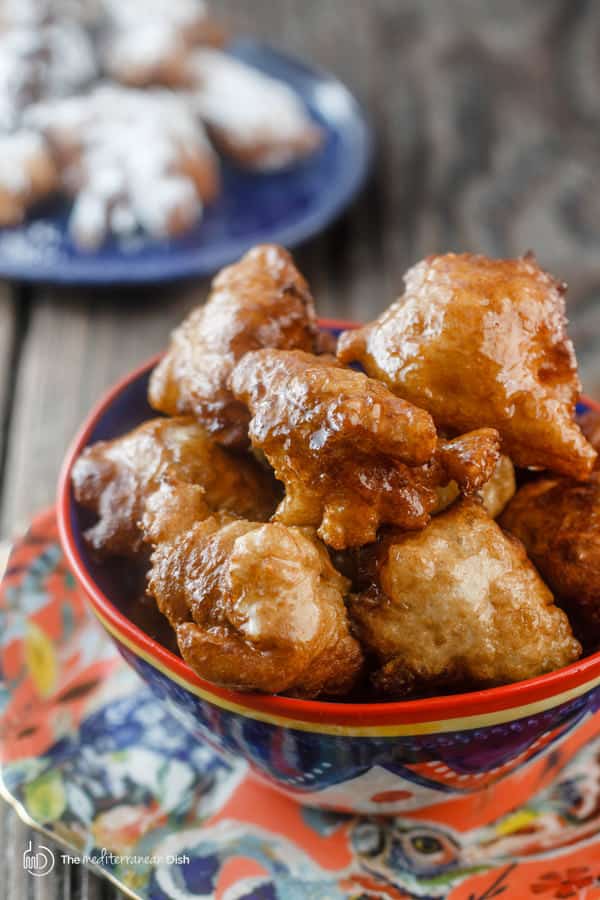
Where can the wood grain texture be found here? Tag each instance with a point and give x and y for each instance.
(487, 118)
(8, 349)
(76, 346)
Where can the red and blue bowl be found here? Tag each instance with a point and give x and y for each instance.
(397, 757)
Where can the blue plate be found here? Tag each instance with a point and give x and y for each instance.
(286, 207)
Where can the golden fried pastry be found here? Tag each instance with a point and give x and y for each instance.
(483, 342)
(146, 47)
(257, 607)
(174, 507)
(40, 56)
(458, 604)
(494, 494)
(115, 479)
(261, 301)
(27, 174)
(351, 455)
(147, 55)
(558, 521)
(96, 138)
(589, 422)
(259, 121)
(469, 459)
(150, 44)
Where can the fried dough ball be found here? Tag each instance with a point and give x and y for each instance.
(261, 301)
(147, 56)
(351, 455)
(27, 174)
(115, 478)
(148, 42)
(144, 48)
(483, 342)
(558, 521)
(470, 459)
(494, 494)
(258, 121)
(96, 139)
(458, 604)
(257, 607)
(174, 507)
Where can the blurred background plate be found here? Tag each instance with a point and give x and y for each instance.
(284, 207)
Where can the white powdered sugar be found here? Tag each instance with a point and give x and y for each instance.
(146, 46)
(72, 58)
(134, 160)
(88, 221)
(23, 13)
(19, 73)
(172, 195)
(130, 14)
(250, 107)
(35, 242)
(16, 153)
(128, 183)
(52, 60)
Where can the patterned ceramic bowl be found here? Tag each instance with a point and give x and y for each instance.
(399, 757)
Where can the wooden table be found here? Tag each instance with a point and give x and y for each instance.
(488, 123)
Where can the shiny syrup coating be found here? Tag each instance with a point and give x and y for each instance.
(115, 479)
(350, 454)
(260, 301)
(558, 521)
(482, 342)
(257, 607)
(589, 422)
(494, 494)
(441, 604)
(457, 605)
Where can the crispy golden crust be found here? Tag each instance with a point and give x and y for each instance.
(256, 156)
(494, 494)
(457, 605)
(558, 521)
(589, 423)
(36, 177)
(464, 458)
(257, 607)
(351, 455)
(482, 342)
(174, 507)
(114, 479)
(261, 301)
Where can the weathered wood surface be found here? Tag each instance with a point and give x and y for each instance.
(488, 125)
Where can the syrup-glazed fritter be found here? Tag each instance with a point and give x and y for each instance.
(27, 174)
(261, 301)
(115, 478)
(174, 507)
(457, 605)
(482, 342)
(558, 521)
(494, 494)
(351, 455)
(257, 607)
(589, 422)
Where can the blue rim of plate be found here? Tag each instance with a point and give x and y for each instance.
(295, 204)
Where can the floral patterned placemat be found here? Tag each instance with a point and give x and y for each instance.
(90, 758)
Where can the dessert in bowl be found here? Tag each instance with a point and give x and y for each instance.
(359, 628)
